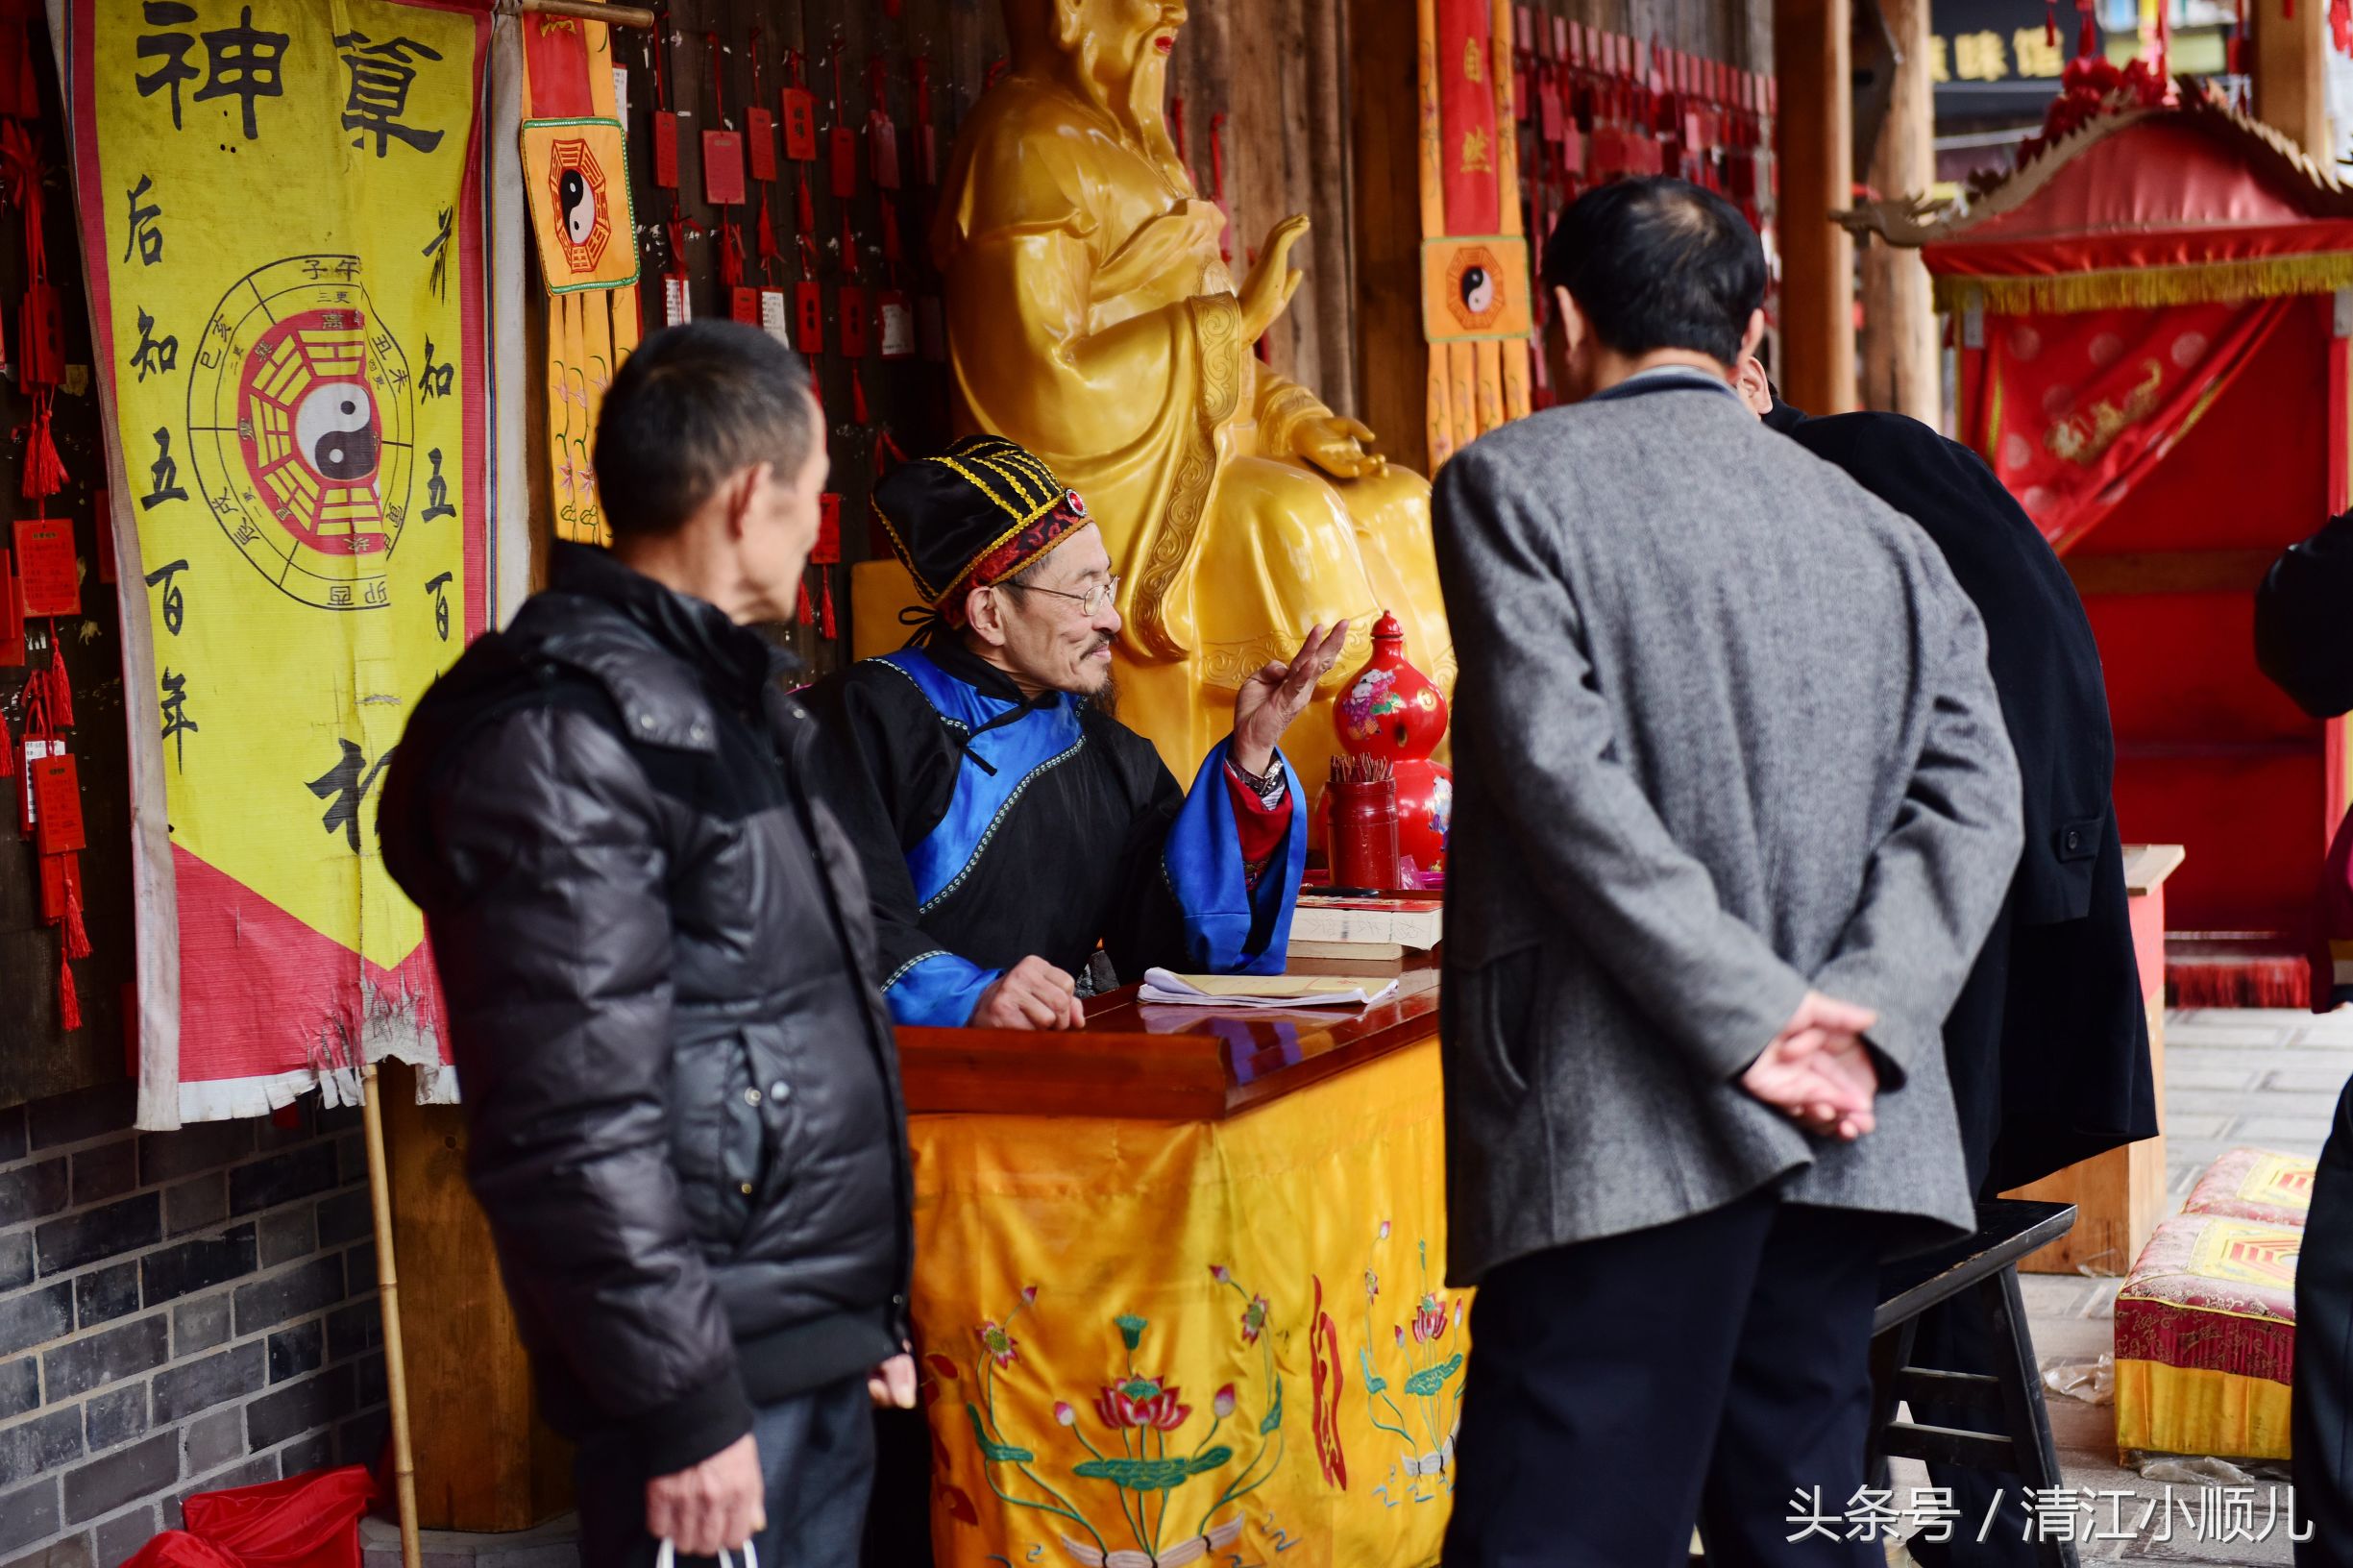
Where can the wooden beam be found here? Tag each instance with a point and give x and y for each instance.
(1899, 340)
(2290, 55)
(2170, 571)
(1816, 158)
(1386, 208)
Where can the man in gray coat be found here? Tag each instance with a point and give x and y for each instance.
(1735, 808)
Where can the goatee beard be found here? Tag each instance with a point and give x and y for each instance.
(1105, 698)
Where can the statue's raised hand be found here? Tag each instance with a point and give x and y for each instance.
(1272, 283)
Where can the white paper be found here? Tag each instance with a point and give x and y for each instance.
(1174, 990)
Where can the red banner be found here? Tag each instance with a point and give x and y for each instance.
(2075, 410)
(1467, 117)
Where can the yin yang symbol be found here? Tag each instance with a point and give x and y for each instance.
(578, 204)
(335, 427)
(1477, 290)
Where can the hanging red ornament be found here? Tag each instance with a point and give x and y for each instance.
(44, 474)
(2050, 23)
(806, 613)
(60, 691)
(825, 608)
(69, 1001)
(76, 934)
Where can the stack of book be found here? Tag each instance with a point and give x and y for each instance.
(1368, 938)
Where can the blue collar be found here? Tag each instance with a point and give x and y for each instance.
(1666, 379)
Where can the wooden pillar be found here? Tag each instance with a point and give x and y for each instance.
(1385, 198)
(1899, 333)
(1816, 158)
(2290, 56)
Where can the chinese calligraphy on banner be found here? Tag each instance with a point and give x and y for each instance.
(281, 213)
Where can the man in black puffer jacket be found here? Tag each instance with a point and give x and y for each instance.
(681, 1091)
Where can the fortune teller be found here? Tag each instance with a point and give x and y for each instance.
(1023, 849)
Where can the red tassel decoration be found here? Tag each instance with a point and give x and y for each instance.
(2087, 38)
(69, 1003)
(60, 686)
(764, 236)
(77, 935)
(730, 255)
(44, 470)
(807, 612)
(2051, 22)
(825, 609)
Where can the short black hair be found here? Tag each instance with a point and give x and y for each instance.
(1659, 263)
(691, 405)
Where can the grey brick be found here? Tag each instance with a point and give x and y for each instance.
(298, 1350)
(73, 1552)
(29, 1514)
(300, 1408)
(260, 1468)
(33, 1192)
(199, 1146)
(186, 1267)
(115, 1418)
(106, 1172)
(82, 1116)
(94, 1361)
(361, 1439)
(353, 1329)
(316, 1451)
(287, 1235)
(210, 1441)
(373, 1383)
(43, 1443)
(359, 1269)
(36, 1317)
(351, 1159)
(216, 1380)
(11, 1141)
(106, 1232)
(16, 1260)
(105, 1294)
(120, 1537)
(200, 1325)
(300, 1172)
(345, 1217)
(288, 1126)
(122, 1477)
(196, 1205)
(20, 1389)
(291, 1293)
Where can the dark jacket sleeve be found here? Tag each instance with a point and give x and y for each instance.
(551, 929)
(2302, 640)
(1147, 927)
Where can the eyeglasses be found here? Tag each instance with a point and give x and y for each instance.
(1087, 602)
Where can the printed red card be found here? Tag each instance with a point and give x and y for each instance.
(829, 547)
(882, 149)
(809, 315)
(895, 314)
(851, 307)
(45, 566)
(760, 143)
(665, 149)
(845, 161)
(58, 873)
(57, 804)
(12, 618)
(722, 168)
(744, 305)
(799, 107)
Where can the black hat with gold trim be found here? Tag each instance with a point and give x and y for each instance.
(972, 515)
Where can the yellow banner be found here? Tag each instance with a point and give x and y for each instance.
(280, 203)
(1213, 1342)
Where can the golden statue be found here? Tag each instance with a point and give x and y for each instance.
(1091, 319)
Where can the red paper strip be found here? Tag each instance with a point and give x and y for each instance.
(760, 143)
(665, 149)
(57, 804)
(45, 570)
(744, 305)
(59, 872)
(851, 307)
(722, 168)
(845, 161)
(799, 107)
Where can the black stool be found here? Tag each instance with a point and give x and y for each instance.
(2010, 1399)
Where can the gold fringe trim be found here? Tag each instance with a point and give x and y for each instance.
(2145, 287)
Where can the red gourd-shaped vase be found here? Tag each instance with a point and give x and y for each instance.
(1390, 709)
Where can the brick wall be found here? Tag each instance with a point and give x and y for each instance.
(179, 1313)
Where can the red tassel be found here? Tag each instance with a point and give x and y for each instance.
(730, 257)
(44, 470)
(764, 237)
(807, 612)
(825, 609)
(69, 1004)
(61, 686)
(2087, 41)
(77, 935)
(2050, 23)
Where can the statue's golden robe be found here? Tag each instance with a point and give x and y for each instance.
(1093, 320)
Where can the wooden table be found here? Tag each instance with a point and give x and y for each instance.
(2119, 1195)
(1180, 1290)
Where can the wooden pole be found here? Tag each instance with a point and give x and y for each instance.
(1811, 59)
(388, 1301)
(1900, 341)
(587, 11)
(2290, 58)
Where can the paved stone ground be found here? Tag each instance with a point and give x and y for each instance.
(2233, 1079)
